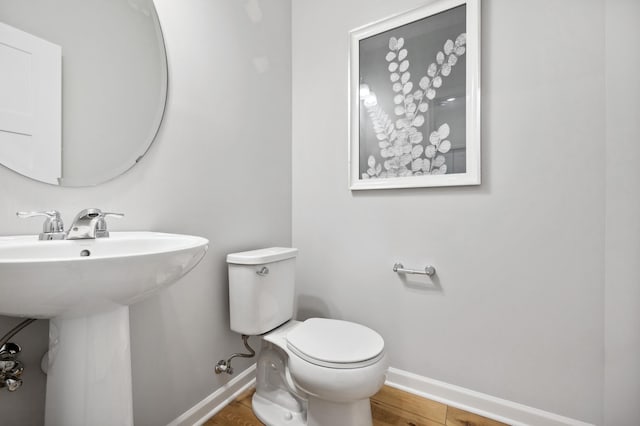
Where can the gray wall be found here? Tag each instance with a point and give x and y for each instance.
(221, 168)
(622, 291)
(520, 259)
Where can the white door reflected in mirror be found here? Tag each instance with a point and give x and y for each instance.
(30, 105)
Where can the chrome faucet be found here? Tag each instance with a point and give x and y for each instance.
(52, 229)
(90, 224)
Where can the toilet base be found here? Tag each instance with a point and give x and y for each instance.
(323, 413)
(275, 415)
(320, 413)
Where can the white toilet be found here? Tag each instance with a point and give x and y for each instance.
(320, 372)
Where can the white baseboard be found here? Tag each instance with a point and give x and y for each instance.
(485, 405)
(215, 402)
(489, 406)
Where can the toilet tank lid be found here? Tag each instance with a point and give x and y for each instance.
(258, 257)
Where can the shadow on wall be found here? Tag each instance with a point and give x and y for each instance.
(313, 307)
(422, 283)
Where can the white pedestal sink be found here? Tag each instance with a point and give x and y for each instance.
(86, 287)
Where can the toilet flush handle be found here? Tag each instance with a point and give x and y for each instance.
(263, 271)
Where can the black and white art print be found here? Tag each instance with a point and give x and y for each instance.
(414, 107)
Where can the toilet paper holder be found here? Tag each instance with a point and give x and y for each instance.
(428, 270)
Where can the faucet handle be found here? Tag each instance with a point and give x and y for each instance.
(101, 225)
(48, 213)
(118, 215)
(53, 227)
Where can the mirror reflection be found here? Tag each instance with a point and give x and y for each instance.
(82, 87)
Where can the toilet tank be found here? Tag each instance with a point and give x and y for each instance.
(261, 289)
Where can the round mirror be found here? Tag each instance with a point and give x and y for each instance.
(83, 86)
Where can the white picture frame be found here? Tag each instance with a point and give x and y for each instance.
(400, 107)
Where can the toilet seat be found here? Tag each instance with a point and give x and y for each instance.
(335, 344)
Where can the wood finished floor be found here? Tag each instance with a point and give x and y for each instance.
(390, 407)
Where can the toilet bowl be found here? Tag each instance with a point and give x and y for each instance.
(329, 389)
(320, 372)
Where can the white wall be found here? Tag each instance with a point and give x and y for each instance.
(221, 168)
(518, 310)
(622, 292)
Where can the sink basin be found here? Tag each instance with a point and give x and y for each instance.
(71, 278)
(86, 287)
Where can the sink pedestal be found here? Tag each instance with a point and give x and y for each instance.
(89, 377)
(86, 286)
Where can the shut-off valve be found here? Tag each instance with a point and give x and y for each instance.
(11, 368)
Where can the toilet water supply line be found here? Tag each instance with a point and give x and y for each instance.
(225, 366)
(11, 368)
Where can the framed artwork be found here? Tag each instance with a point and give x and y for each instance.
(414, 107)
